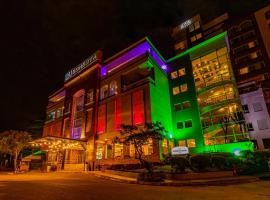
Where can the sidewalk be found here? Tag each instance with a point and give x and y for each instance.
(204, 182)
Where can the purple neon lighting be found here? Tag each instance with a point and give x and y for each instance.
(132, 54)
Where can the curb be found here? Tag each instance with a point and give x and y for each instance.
(184, 183)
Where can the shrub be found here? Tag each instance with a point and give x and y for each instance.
(233, 162)
(200, 162)
(179, 164)
(218, 162)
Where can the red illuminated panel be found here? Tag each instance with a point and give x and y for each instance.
(101, 119)
(51, 130)
(117, 116)
(58, 131)
(138, 107)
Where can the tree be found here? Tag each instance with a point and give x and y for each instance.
(139, 136)
(14, 142)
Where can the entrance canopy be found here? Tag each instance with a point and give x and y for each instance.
(51, 143)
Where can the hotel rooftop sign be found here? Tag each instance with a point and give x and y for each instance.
(97, 56)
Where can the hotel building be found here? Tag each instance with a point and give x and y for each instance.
(194, 95)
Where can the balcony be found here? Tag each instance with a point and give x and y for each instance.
(205, 85)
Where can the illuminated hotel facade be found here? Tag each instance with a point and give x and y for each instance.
(193, 95)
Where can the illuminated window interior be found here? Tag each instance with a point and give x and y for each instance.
(183, 87)
(104, 91)
(113, 88)
(174, 75)
(90, 96)
(220, 109)
(182, 72)
(191, 143)
(118, 150)
(176, 90)
(243, 70)
(77, 114)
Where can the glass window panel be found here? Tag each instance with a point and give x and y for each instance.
(180, 125)
(174, 75)
(191, 143)
(182, 72)
(176, 90)
(188, 123)
(184, 87)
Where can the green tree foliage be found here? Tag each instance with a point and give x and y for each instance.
(13, 142)
(139, 136)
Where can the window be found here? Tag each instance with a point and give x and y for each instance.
(193, 39)
(99, 152)
(104, 92)
(250, 127)
(245, 108)
(257, 107)
(253, 55)
(182, 72)
(131, 150)
(267, 15)
(197, 25)
(243, 70)
(183, 87)
(176, 90)
(180, 125)
(191, 143)
(174, 75)
(109, 151)
(262, 124)
(251, 44)
(186, 105)
(50, 116)
(266, 143)
(113, 88)
(178, 107)
(180, 45)
(182, 143)
(191, 28)
(188, 123)
(148, 148)
(77, 113)
(198, 36)
(118, 150)
(90, 96)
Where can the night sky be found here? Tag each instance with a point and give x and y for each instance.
(42, 39)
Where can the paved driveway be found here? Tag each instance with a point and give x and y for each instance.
(79, 186)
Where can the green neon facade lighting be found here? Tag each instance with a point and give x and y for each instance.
(190, 50)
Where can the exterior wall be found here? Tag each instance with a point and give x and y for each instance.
(263, 20)
(190, 32)
(253, 116)
(183, 133)
(216, 107)
(85, 83)
(248, 55)
(133, 83)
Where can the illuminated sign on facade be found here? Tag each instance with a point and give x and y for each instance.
(90, 60)
(180, 151)
(185, 24)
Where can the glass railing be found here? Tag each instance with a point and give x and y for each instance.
(217, 99)
(212, 81)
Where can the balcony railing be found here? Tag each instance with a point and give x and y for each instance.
(217, 99)
(205, 83)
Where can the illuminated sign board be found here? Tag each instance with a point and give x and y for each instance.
(97, 56)
(180, 151)
(185, 24)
